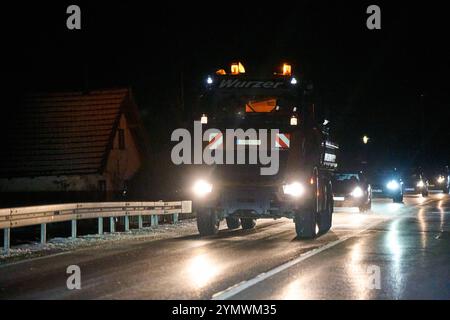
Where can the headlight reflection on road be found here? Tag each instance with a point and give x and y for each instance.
(393, 241)
(422, 200)
(442, 216)
(394, 246)
(423, 227)
(440, 196)
(394, 207)
(295, 290)
(358, 219)
(201, 270)
(357, 271)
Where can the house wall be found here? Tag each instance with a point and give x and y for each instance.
(121, 165)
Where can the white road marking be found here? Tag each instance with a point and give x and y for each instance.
(232, 291)
(237, 288)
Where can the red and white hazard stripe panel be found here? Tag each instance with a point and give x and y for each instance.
(282, 140)
(215, 140)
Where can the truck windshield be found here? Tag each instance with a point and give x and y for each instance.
(252, 110)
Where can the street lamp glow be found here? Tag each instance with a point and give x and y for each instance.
(365, 139)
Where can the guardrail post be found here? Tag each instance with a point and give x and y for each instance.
(74, 229)
(140, 222)
(127, 223)
(100, 225)
(175, 218)
(154, 220)
(112, 225)
(6, 240)
(43, 233)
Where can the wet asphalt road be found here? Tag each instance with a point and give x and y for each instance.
(396, 251)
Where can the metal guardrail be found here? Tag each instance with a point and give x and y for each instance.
(42, 215)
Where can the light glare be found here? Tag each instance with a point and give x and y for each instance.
(294, 189)
(294, 121)
(202, 188)
(393, 185)
(357, 192)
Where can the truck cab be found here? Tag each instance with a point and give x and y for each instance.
(273, 158)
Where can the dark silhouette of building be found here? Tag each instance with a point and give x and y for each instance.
(71, 146)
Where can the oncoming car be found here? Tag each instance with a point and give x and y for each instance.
(387, 184)
(351, 189)
(415, 182)
(440, 180)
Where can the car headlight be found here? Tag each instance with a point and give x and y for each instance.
(294, 189)
(441, 179)
(201, 188)
(393, 185)
(420, 184)
(357, 192)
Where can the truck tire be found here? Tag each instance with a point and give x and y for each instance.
(248, 223)
(326, 217)
(233, 223)
(398, 199)
(366, 207)
(306, 225)
(306, 220)
(207, 222)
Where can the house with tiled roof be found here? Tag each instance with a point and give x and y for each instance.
(71, 146)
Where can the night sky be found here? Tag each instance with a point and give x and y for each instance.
(391, 84)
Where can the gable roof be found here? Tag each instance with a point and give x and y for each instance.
(64, 133)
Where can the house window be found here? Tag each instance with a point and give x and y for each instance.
(121, 139)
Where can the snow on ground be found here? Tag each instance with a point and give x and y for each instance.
(57, 245)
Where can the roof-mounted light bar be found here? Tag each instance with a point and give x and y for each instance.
(237, 68)
(287, 69)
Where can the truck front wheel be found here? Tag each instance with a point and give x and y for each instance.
(207, 222)
(326, 216)
(306, 225)
(398, 198)
(233, 223)
(248, 223)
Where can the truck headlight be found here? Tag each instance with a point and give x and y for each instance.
(357, 192)
(201, 188)
(294, 189)
(393, 185)
(420, 184)
(441, 179)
